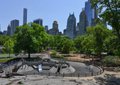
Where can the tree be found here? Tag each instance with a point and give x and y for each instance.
(8, 46)
(67, 45)
(57, 42)
(61, 43)
(40, 36)
(99, 33)
(109, 11)
(29, 38)
(85, 44)
(51, 43)
(78, 43)
(112, 45)
(88, 44)
(47, 40)
(3, 39)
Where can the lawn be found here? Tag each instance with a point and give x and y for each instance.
(6, 55)
(2, 60)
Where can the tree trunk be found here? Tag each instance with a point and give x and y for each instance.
(28, 54)
(9, 53)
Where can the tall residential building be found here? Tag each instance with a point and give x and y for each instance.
(24, 16)
(83, 23)
(87, 18)
(70, 30)
(46, 28)
(38, 21)
(5, 32)
(12, 27)
(9, 30)
(1, 33)
(90, 12)
(55, 26)
(14, 24)
(54, 30)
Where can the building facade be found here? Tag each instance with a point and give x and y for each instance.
(9, 30)
(87, 18)
(46, 28)
(38, 21)
(54, 30)
(90, 12)
(24, 16)
(14, 24)
(4, 32)
(12, 27)
(83, 23)
(70, 30)
(1, 33)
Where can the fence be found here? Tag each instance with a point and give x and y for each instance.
(67, 75)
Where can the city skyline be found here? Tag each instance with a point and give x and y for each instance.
(59, 11)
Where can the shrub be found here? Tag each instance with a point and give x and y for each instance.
(20, 82)
(53, 53)
(58, 56)
(111, 61)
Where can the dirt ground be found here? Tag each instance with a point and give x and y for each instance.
(78, 57)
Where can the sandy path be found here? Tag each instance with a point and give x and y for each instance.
(53, 80)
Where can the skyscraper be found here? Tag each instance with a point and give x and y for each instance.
(46, 28)
(9, 30)
(87, 18)
(70, 30)
(38, 21)
(12, 27)
(83, 23)
(0, 31)
(54, 30)
(55, 25)
(24, 16)
(90, 12)
(4, 32)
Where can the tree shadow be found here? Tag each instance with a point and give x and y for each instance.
(112, 80)
(108, 80)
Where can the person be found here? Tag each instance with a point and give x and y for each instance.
(58, 69)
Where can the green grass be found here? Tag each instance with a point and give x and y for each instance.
(6, 55)
(2, 60)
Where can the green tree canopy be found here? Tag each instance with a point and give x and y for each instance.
(29, 38)
(67, 45)
(99, 33)
(110, 44)
(109, 11)
(3, 39)
(61, 43)
(8, 46)
(78, 43)
(88, 44)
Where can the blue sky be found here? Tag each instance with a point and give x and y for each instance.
(48, 10)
